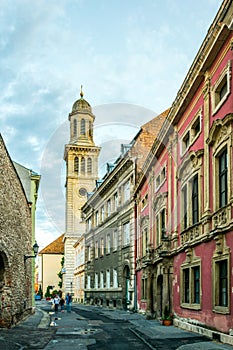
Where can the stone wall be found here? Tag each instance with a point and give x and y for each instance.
(15, 242)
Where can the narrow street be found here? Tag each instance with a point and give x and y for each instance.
(96, 328)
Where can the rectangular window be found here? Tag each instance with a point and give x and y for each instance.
(109, 207)
(115, 282)
(96, 280)
(88, 224)
(126, 233)
(223, 179)
(144, 288)
(101, 246)
(97, 218)
(196, 128)
(196, 285)
(88, 282)
(96, 249)
(191, 286)
(114, 246)
(108, 243)
(223, 288)
(101, 280)
(158, 237)
(185, 209)
(163, 223)
(115, 201)
(186, 286)
(127, 191)
(185, 142)
(107, 279)
(88, 253)
(102, 213)
(195, 214)
(144, 241)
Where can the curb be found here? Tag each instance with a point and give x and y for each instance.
(142, 339)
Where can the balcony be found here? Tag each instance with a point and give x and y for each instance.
(222, 218)
(190, 235)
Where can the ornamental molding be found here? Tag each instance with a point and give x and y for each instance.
(144, 221)
(220, 130)
(160, 201)
(191, 163)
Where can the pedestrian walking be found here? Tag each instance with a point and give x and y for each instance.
(68, 302)
(56, 302)
(62, 304)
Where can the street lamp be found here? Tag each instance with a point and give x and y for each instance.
(35, 250)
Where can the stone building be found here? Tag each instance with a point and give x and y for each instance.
(81, 157)
(30, 181)
(110, 222)
(15, 242)
(185, 232)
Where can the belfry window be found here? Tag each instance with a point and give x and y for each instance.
(89, 166)
(83, 127)
(76, 165)
(75, 127)
(83, 165)
(90, 130)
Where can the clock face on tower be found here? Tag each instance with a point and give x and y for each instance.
(82, 191)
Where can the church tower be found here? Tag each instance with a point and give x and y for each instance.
(81, 157)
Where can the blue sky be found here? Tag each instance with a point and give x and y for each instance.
(131, 58)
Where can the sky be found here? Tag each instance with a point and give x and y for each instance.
(131, 58)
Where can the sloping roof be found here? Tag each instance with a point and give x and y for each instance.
(56, 247)
(146, 137)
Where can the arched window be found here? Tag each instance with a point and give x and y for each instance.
(83, 165)
(89, 166)
(90, 130)
(83, 127)
(75, 127)
(76, 164)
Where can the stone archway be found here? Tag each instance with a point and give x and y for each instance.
(159, 308)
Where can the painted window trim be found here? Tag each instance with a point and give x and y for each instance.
(226, 72)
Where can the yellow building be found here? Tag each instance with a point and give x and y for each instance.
(49, 264)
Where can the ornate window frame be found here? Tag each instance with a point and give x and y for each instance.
(191, 133)
(160, 207)
(189, 265)
(144, 235)
(224, 79)
(222, 253)
(220, 138)
(190, 167)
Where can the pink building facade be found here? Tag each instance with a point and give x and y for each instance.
(184, 198)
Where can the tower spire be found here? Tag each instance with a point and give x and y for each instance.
(81, 92)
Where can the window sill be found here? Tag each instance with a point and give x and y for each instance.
(191, 306)
(221, 310)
